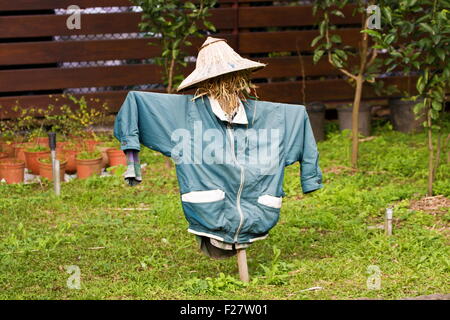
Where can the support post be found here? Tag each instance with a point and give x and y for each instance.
(242, 264)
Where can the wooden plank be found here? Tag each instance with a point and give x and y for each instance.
(18, 5)
(287, 92)
(87, 50)
(60, 78)
(284, 16)
(290, 92)
(57, 78)
(102, 23)
(113, 99)
(258, 42)
(280, 67)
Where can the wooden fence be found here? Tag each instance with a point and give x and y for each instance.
(32, 59)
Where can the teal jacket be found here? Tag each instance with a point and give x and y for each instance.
(230, 175)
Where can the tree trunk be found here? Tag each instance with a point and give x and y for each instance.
(430, 154)
(355, 119)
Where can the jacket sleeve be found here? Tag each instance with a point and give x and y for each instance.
(300, 145)
(149, 119)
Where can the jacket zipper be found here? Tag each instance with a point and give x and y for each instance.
(241, 186)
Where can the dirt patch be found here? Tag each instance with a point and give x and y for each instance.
(433, 205)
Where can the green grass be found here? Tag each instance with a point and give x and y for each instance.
(322, 239)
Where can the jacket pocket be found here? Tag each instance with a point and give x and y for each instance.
(268, 213)
(205, 208)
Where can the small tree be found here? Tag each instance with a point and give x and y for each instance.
(173, 22)
(329, 44)
(417, 38)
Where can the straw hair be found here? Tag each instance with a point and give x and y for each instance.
(227, 89)
(217, 58)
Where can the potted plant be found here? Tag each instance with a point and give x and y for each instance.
(6, 139)
(88, 163)
(46, 167)
(12, 170)
(103, 147)
(19, 150)
(70, 151)
(32, 154)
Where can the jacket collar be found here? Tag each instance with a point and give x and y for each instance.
(239, 118)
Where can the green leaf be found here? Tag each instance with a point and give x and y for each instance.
(336, 61)
(317, 55)
(441, 53)
(315, 40)
(420, 84)
(387, 14)
(209, 25)
(338, 13)
(341, 54)
(418, 107)
(390, 38)
(336, 38)
(436, 105)
(372, 33)
(190, 5)
(427, 28)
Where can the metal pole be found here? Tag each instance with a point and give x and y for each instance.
(55, 163)
(388, 221)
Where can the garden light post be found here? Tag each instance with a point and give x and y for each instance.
(55, 163)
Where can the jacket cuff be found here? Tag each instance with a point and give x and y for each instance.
(129, 143)
(312, 184)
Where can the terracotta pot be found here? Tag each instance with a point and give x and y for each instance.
(31, 159)
(105, 159)
(60, 146)
(70, 155)
(3, 155)
(19, 149)
(43, 141)
(91, 144)
(46, 169)
(12, 170)
(89, 167)
(116, 157)
(7, 147)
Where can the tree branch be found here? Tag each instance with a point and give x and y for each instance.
(344, 71)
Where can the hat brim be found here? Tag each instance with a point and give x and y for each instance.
(196, 79)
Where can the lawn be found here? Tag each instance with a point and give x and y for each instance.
(132, 243)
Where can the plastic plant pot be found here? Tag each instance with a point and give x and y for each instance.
(89, 167)
(7, 147)
(70, 155)
(116, 157)
(31, 159)
(19, 150)
(12, 170)
(46, 168)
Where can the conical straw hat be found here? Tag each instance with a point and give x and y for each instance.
(216, 58)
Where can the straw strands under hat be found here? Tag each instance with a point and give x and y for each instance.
(217, 58)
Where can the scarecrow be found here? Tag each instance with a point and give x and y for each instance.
(230, 149)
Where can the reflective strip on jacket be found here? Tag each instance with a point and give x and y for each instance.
(230, 176)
